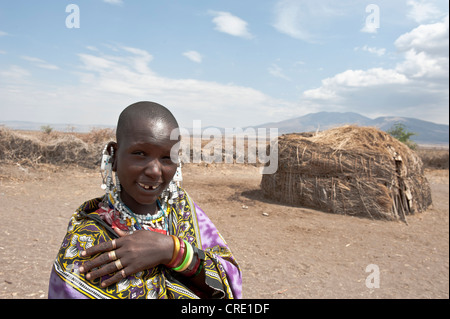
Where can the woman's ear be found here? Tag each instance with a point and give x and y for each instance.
(112, 150)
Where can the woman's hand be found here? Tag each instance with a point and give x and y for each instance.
(127, 255)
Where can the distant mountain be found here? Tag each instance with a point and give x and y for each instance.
(35, 126)
(426, 132)
(317, 121)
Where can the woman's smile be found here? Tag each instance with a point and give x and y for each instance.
(149, 187)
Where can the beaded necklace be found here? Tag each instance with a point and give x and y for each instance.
(138, 222)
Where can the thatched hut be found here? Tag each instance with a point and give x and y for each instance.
(349, 170)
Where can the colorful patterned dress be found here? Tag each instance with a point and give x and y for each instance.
(88, 226)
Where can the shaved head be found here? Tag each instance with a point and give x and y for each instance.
(153, 114)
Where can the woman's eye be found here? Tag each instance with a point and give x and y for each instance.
(138, 153)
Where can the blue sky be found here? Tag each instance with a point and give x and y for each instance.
(227, 63)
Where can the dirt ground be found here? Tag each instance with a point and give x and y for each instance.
(284, 251)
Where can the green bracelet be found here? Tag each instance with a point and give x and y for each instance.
(187, 258)
(200, 267)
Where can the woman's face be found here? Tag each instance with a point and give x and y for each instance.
(143, 164)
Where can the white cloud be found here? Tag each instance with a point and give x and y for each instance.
(373, 50)
(306, 20)
(346, 82)
(91, 62)
(112, 63)
(109, 82)
(143, 58)
(276, 71)
(115, 2)
(3, 33)
(193, 56)
(421, 65)
(92, 48)
(432, 38)
(15, 72)
(417, 86)
(367, 78)
(230, 24)
(40, 63)
(288, 17)
(122, 77)
(423, 11)
(369, 28)
(426, 51)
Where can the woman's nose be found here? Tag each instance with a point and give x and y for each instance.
(153, 169)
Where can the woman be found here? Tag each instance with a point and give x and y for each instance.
(145, 238)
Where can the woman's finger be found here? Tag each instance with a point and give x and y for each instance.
(110, 268)
(120, 232)
(98, 261)
(100, 248)
(118, 276)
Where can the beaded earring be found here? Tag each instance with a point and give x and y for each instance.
(178, 177)
(107, 174)
(171, 192)
(106, 169)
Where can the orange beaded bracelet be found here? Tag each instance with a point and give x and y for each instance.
(178, 252)
(176, 248)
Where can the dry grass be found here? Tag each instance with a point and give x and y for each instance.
(437, 158)
(32, 148)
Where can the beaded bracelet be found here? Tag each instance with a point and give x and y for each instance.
(187, 259)
(198, 270)
(189, 262)
(191, 271)
(176, 250)
(199, 264)
(180, 256)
